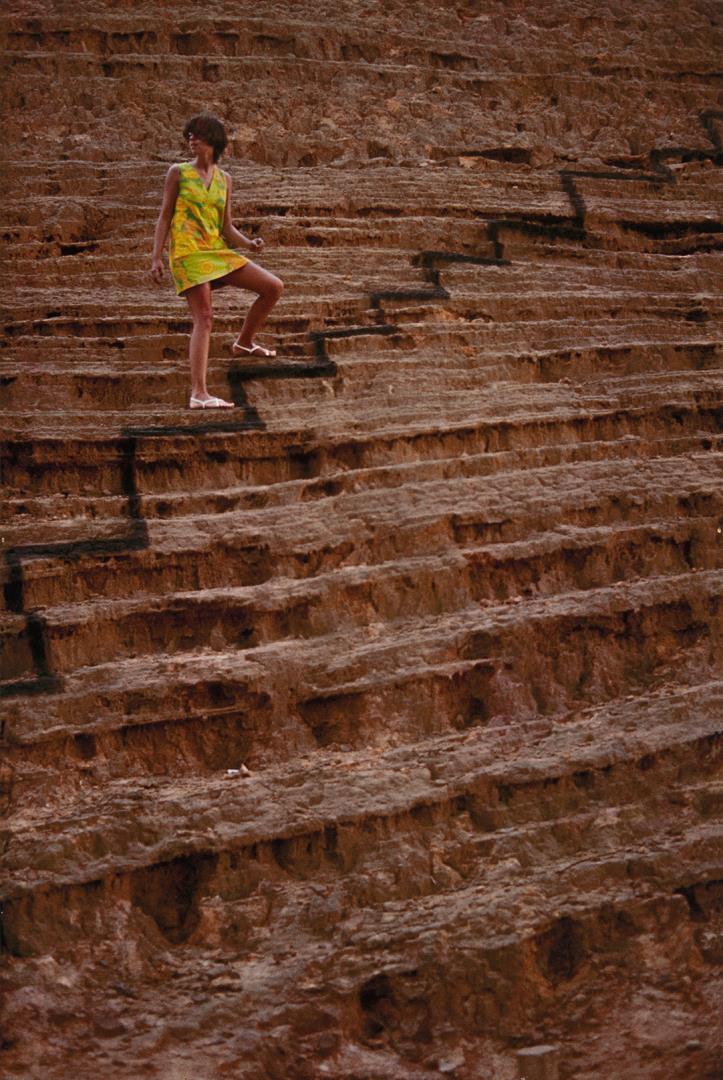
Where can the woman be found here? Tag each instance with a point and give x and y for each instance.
(196, 209)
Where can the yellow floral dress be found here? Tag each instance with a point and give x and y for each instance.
(198, 252)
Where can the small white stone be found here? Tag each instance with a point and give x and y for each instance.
(448, 1065)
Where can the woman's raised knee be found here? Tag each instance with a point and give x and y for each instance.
(274, 289)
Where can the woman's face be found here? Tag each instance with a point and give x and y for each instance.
(196, 143)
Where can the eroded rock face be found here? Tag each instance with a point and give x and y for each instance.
(446, 583)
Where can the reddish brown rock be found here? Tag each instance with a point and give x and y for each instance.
(372, 730)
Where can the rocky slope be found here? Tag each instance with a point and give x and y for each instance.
(447, 582)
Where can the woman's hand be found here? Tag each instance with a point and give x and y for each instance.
(256, 244)
(157, 270)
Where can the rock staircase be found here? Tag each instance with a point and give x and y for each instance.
(447, 582)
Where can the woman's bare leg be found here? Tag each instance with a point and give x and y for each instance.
(199, 301)
(269, 289)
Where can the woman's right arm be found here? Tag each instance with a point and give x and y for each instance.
(170, 192)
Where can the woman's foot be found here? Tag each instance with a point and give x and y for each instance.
(206, 401)
(252, 350)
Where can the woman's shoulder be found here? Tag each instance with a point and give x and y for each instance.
(181, 172)
(180, 168)
(173, 180)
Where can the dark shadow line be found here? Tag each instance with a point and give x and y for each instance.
(432, 259)
(293, 370)
(706, 118)
(135, 540)
(41, 684)
(223, 427)
(353, 331)
(436, 292)
(660, 172)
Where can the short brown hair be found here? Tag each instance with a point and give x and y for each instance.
(210, 129)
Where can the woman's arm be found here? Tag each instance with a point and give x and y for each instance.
(230, 233)
(170, 192)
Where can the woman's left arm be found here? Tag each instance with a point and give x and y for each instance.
(230, 233)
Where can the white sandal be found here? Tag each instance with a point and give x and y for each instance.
(255, 350)
(210, 403)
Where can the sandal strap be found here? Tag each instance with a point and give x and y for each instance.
(255, 350)
(211, 403)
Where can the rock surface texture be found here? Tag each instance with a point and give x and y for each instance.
(447, 581)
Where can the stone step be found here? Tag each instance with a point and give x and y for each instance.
(154, 83)
(381, 245)
(139, 328)
(289, 35)
(222, 39)
(457, 357)
(312, 254)
(191, 715)
(395, 262)
(513, 671)
(97, 388)
(375, 684)
(73, 558)
(526, 797)
(84, 511)
(460, 330)
(163, 338)
(458, 246)
(347, 992)
(196, 452)
(366, 190)
(545, 278)
(465, 336)
(133, 68)
(246, 617)
(117, 384)
(311, 435)
(618, 233)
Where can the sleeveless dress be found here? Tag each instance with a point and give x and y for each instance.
(198, 251)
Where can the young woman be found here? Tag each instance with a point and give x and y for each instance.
(196, 209)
